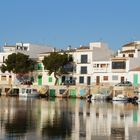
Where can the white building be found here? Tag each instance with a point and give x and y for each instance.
(26, 48)
(91, 62)
(127, 59)
(103, 67)
(43, 77)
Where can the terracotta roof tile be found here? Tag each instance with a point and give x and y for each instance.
(132, 44)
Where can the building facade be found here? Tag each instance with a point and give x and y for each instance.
(94, 64)
(26, 48)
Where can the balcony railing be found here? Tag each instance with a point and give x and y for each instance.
(101, 69)
(118, 70)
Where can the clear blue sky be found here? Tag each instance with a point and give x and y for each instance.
(70, 22)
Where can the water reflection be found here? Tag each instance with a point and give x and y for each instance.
(63, 119)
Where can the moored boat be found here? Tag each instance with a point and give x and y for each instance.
(98, 97)
(28, 92)
(43, 91)
(120, 97)
(23, 91)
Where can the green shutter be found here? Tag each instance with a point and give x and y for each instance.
(50, 79)
(39, 66)
(40, 80)
(135, 80)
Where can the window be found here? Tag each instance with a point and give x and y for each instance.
(118, 65)
(103, 65)
(123, 55)
(39, 66)
(84, 58)
(105, 78)
(23, 90)
(50, 79)
(3, 78)
(28, 91)
(83, 70)
(25, 48)
(131, 55)
(94, 65)
(115, 77)
(81, 79)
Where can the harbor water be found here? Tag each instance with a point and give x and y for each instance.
(67, 119)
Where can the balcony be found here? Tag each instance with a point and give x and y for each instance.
(101, 70)
(119, 70)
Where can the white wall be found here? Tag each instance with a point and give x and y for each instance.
(4, 55)
(110, 79)
(77, 60)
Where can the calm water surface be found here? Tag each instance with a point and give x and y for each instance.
(72, 119)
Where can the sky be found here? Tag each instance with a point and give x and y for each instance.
(61, 23)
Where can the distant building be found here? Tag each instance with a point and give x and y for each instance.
(27, 48)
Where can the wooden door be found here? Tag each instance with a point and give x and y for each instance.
(88, 80)
(97, 80)
(122, 79)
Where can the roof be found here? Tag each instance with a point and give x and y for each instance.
(59, 51)
(83, 47)
(135, 43)
(136, 69)
(128, 51)
(34, 50)
(119, 58)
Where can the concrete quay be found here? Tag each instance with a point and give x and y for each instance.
(73, 91)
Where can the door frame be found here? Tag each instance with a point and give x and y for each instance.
(97, 80)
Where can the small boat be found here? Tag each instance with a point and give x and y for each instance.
(14, 91)
(25, 91)
(28, 92)
(98, 97)
(43, 91)
(120, 97)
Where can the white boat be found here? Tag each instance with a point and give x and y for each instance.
(120, 97)
(98, 97)
(28, 92)
(23, 91)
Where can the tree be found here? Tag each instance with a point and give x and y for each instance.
(19, 64)
(55, 62)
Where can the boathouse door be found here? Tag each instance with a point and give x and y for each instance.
(97, 80)
(135, 80)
